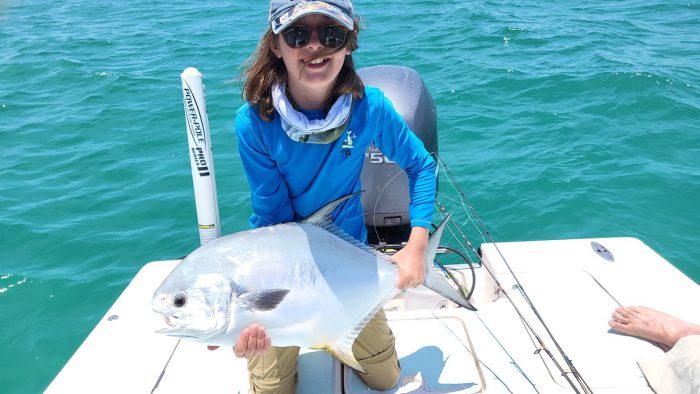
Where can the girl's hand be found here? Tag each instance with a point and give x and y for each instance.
(411, 259)
(252, 342)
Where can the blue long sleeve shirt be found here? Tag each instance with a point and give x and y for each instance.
(290, 180)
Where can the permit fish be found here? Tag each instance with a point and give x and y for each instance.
(308, 283)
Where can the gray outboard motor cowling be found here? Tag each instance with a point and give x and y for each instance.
(386, 197)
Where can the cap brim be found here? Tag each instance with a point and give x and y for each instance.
(297, 12)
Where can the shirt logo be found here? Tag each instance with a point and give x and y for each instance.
(347, 145)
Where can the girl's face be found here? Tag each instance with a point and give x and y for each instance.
(305, 75)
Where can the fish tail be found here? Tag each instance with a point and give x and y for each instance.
(433, 280)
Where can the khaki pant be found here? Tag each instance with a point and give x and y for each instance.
(275, 372)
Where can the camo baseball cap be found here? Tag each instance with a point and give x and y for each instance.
(284, 12)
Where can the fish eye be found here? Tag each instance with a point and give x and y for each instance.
(179, 300)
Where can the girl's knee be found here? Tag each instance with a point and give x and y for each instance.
(383, 370)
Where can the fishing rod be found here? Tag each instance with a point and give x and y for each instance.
(394, 247)
(542, 346)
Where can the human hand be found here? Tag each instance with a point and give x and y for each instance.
(252, 342)
(411, 259)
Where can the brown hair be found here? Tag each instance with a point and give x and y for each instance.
(263, 69)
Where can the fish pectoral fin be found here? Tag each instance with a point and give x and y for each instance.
(261, 300)
(342, 350)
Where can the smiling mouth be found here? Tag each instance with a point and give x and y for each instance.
(317, 62)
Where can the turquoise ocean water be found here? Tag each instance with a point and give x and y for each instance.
(559, 119)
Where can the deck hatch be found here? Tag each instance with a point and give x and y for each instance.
(602, 251)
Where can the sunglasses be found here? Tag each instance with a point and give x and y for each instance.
(330, 36)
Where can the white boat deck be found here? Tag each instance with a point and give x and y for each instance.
(573, 288)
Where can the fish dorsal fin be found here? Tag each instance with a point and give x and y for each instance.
(322, 219)
(323, 215)
(338, 232)
(261, 300)
(342, 350)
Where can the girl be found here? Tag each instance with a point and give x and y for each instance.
(302, 134)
